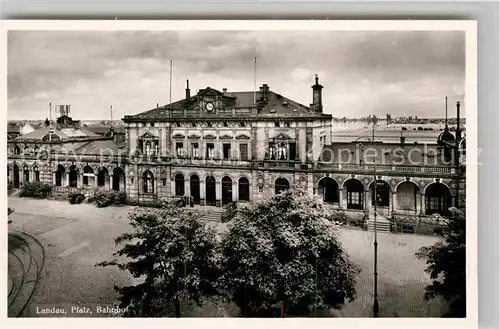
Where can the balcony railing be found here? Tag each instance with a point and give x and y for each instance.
(349, 167)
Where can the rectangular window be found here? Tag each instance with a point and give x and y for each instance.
(210, 151)
(37, 176)
(277, 124)
(272, 151)
(226, 149)
(244, 151)
(293, 151)
(195, 151)
(179, 148)
(242, 124)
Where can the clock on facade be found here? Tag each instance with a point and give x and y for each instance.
(209, 106)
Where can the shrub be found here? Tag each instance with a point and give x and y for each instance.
(35, 190)
(353, 218)
(76, 198)
(104, 198)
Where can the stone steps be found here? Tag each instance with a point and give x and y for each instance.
(382, 226)
(213, 214)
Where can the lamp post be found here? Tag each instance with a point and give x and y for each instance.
(375, 242)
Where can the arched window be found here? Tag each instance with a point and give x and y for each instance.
(17, 150)
(383, 194)
(36, 150)
(437, 199)
(148, 182)
(179, 185)
(355, 194)
(73, 176)
(26, 174)
(243, 189)
(36, 173)
(27, 150)
(87, 172)
(281, 184)
(329, 189)
(148, 148)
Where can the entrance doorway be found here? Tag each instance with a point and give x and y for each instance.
(16, 176)
(227, 190)
(194, 186)
(210, 191)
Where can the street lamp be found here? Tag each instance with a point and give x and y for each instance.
(375, 242)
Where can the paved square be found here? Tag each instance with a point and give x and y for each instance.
(76, 237)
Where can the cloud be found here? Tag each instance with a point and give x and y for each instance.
(362, 72)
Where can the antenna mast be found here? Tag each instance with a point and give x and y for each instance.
(170, 94)
(254, 79)
(111, 113)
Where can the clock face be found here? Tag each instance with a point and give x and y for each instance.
(209, 106)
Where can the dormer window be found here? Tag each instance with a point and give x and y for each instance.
(276, 124)
(193, 125)
(178, 124)
(225, 123)
(209, 124)
(242, 124)
(287, 124)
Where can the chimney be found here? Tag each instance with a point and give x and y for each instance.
(317, 104)
(188, 91)
(224, 90)
(264, 92)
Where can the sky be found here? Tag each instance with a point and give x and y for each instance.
(397, 72)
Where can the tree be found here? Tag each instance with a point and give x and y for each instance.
(286, 250)
(446, 266)
(175, 252)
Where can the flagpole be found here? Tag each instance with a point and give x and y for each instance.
(170, 93)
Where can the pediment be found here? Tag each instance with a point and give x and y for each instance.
(178, 136)
(282, 137)
(147, 135)
(209, 136)
(194, 137)
(209, 92)
(226, 137)
(242, 137)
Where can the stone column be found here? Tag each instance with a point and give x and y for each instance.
(218, 193)
(54, 178)
(235, 190)
(67, 178)
(418, 203)
(394, 201)
(95, 181)
(111, 181)
(80, 180)
(422, 207)
(367, 200)
(202, 191)
(187, 187)
(342, 198)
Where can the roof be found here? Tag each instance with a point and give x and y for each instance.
(101, 130)
(63, 133)
(242, 102)
(109, 147)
